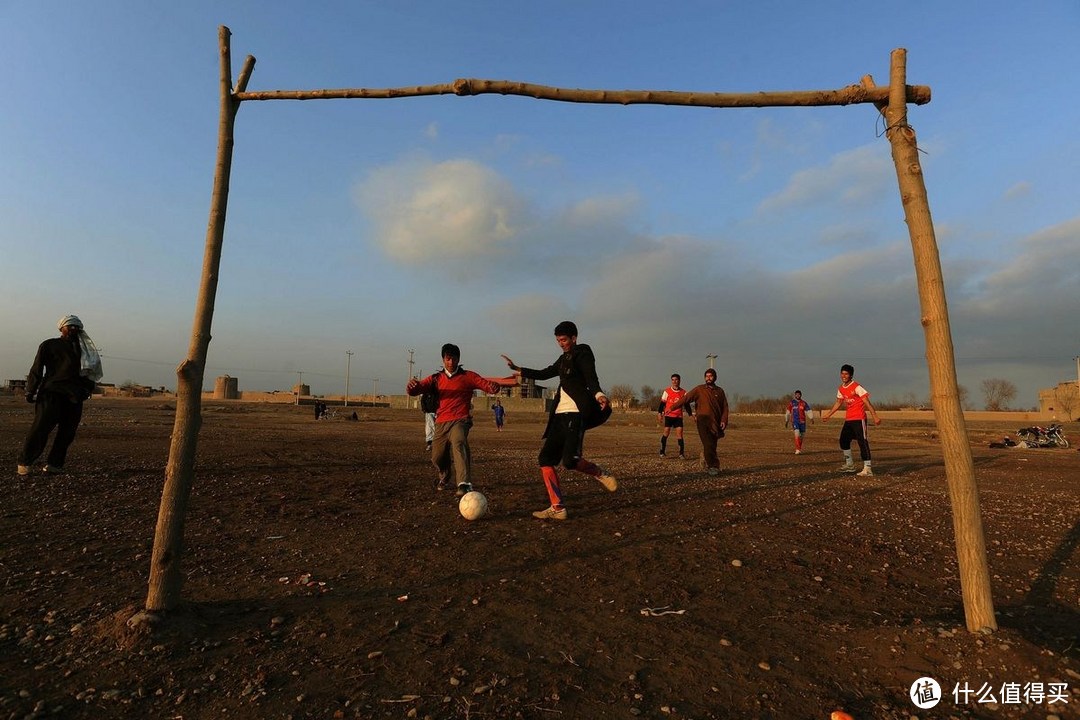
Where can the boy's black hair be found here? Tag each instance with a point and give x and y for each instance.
(566, 328)
(452, 350)
(850, 369)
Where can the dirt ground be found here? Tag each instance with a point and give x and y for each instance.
(327, 578)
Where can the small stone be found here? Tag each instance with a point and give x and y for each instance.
(454, 681)
(764, 665)
(725, 642)
(374, 654)
(736, 563)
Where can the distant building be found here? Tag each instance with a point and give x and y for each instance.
(512, 387)
(1062, 402)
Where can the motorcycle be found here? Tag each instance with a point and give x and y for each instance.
(1036, 436)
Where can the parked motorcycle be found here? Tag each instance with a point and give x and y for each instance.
(1036, 436)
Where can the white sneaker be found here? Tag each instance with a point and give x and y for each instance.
(798, 452)
(550, 514)
(865, 472)
(848, 467)
(607, 480)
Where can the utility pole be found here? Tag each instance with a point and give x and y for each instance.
(408, 401)
(711, 357)
(348, 367)
(1077, 359)
(299, 384)
(374, 390)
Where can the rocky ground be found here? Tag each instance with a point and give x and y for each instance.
(326, 578)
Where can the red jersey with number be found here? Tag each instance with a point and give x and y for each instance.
(852, 394)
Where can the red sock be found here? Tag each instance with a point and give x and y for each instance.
(551, 481)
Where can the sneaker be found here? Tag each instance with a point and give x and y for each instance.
(681, 456)
(607, 479)
(865, 472)
(550, 514)
(714, 471)
(441, 485)
(848, 467)
(662, 454)
(429, 447)
(798, 452)
(463, 488)
(52, 470)
(24, 469)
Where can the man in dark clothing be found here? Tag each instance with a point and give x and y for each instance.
(579, 404)
(61, 378)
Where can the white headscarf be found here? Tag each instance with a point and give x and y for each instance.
(89, 357)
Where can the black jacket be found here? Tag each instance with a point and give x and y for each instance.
(577, 378)
(56, 369)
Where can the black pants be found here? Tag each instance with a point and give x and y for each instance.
(52, 411)
(562, 446)
(855, 430)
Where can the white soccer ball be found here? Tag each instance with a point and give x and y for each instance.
(472, 505)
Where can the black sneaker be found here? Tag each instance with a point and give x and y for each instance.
(463, 488)
(429, 447)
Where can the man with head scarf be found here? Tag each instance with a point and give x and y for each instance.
(62, 377)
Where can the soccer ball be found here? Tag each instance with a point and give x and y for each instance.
(472, 505)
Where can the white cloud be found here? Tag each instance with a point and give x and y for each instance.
(852, 177)
(1019, 190)
(454, 211)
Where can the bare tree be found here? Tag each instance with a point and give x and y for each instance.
(997, 393)
(1066, 400)
(649, 397)
(621, 396)
(965, 397)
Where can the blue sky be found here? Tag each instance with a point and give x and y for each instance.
(773, 238)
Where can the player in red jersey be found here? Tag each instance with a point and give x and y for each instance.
(856, 401)
(672, 418)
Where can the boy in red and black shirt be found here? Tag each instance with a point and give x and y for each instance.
(454, 386)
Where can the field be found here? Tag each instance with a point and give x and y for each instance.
(326, 578)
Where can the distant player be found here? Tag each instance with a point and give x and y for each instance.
(500, 415)
(672, 418)
(797, 414)
(856, 401)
